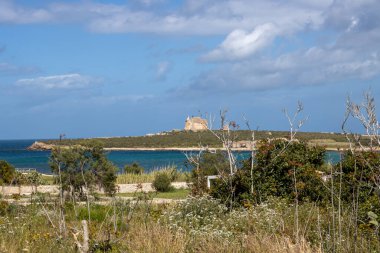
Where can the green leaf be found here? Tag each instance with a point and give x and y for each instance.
(372, 215)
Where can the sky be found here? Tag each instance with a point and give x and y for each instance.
(124, 68)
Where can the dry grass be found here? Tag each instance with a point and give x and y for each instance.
(178, 176)
(271, 243)
(260, 229)
(155, 238)
(158, 238)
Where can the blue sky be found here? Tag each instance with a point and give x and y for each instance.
(120, 68)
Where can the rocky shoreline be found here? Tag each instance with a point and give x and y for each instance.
(40, 146)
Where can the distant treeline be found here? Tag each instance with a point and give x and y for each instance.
(183, 139)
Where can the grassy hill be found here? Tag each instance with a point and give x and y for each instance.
(183, 139)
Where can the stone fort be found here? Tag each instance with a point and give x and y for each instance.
(195, 124)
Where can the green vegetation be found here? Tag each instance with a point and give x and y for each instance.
(148, 177)
(9, 176)
(184, 139)
(278, 167)
(195, 225)
(295, 174)
(162, 183)
(133, 168)
(292, 171)
(35, 178)
(82, 168)
(7, 173)
(207, 164)
(281, 166)
(290, 208)
(30, 178)
(284, 198)
(47, 179)
(359, 174)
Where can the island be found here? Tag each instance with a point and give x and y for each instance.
(194, 140)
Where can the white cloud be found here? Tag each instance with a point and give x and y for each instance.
(10, 13)
(350, 51)
(58, 82)
(193, 17)
(315, 66)
(211, 18)
(240, 44)
(350, 54)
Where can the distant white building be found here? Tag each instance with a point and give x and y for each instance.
(195, 124)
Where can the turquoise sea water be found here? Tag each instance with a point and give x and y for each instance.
(14, 151)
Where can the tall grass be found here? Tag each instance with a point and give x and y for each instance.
(195, 225)
(171, 171)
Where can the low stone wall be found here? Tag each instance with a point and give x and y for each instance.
(53, 189)
(27, 190)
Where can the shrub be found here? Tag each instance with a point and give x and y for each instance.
(19, 178)
(162, 183)
(4, 208)
(172, 173)
(133, 168)
(7, 172)
(34, 178)
(84, 166)
(209, 164)
(360, 174)
(239, 182)
(276, 163)
(31, 178)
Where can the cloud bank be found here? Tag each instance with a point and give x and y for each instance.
(194, 17)
(343, 35)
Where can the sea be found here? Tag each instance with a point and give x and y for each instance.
(15, 152)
